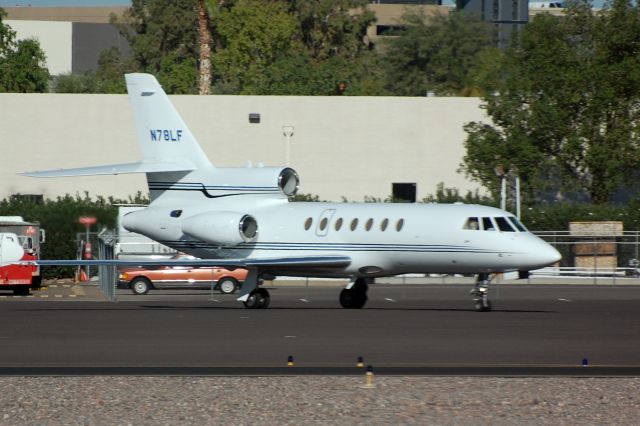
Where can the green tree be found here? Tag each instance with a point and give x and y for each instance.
(22, 62)
(75, 83)
(437, 54)
(163, 35)
(566, 106)
(294, 48)
(251, 34)
(330, 28)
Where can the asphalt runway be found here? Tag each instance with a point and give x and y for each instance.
(404, 329)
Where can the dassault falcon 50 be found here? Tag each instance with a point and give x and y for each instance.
(242, 217)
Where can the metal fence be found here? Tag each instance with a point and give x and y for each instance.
(594, 254)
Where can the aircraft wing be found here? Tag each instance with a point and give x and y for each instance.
(285, 262)
(113, 169)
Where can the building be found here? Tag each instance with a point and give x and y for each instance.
(389, 16)
(507, 15)
(351, 147)
(71, 37)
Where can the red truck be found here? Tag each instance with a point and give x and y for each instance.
(22, 278)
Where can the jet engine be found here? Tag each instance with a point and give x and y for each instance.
(260, 179)
(222, 228)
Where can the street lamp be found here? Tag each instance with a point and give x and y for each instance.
(287, 131)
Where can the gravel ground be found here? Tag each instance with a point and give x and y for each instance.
(317, 400)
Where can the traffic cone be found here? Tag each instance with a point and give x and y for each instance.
(83, 276)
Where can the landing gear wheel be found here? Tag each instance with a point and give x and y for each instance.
(483, 306)
(227, 286)
(258, 299)
(140, 286)
(480, 293)
(266, 298)
(352, 299)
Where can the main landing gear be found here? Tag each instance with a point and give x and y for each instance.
(258, 299)
(480, 293)
(251, 295)
(354, 296)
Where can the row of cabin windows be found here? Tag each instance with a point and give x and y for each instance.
(505, 224)
(368, 225)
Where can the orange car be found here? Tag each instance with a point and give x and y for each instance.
(141, 280)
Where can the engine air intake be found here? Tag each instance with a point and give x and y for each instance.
(288, 182)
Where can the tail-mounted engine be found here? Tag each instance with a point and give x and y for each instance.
(257, 180)
(222, 228)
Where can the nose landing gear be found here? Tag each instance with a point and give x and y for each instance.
(480, 293)
(355, 295)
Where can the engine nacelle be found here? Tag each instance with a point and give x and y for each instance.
(258, 179)
(223, 228)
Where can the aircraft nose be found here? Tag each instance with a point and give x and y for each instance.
(552, 254)
(547, 254)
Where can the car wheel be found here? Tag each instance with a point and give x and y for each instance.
(140, 286)
(227, 286)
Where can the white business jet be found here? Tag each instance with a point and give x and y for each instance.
(242, 217)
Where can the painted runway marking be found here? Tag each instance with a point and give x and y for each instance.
(564, 300)
(389, 299)
(289, 337)
(304, 300)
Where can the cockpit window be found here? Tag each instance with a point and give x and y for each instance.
(515, 222)
(504, 225)
(472, 224)
(487, 224)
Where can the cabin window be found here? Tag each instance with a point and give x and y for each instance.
(339, 224)
(472, 224)
(384, 224)
(354, 224)
(504, 225)
(369, 224)
(515, 222)
(308, 223)
(323, 223)
(176, 213)
(487, 224)
(399, 225)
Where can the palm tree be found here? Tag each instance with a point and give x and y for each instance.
(206, 42)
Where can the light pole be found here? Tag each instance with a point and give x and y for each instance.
(287, 131)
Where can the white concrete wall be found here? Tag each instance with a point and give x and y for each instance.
(55, 40)
(342, 146)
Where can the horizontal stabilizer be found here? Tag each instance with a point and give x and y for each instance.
(294, 262)
(113, 169)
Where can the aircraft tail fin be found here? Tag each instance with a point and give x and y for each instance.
(162, 134)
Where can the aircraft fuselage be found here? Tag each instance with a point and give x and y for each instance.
(381, 239)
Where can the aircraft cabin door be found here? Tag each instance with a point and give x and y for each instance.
(322, 229)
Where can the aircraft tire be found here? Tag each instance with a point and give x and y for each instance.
(350, 299)
(480, 307)
(254, 301)
(265, 298)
